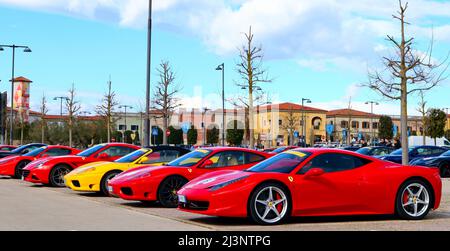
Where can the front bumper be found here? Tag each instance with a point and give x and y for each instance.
(224, 203)
(7, 170)
(138, 190)
(37, 175)
(84, 183)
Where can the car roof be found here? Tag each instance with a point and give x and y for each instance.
(222, 148)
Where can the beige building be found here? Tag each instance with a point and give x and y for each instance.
(279, 124)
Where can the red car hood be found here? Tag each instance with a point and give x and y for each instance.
(216, 178)
(64, 157)
(136, 172)
(6, 159)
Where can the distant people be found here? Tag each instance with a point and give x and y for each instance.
(396, 144)
(363, 143)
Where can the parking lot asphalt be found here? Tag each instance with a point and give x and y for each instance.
(24, 206)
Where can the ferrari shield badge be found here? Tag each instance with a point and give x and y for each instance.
(291, 179)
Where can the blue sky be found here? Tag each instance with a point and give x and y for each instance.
(316, 49)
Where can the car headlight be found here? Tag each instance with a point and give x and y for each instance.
(84, 170)
(134, 175)
(222, 185)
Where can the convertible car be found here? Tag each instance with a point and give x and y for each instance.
(51, 170)
(13, 165)
(161, 183)
(94, 177)
(315, 182)
(442, 162)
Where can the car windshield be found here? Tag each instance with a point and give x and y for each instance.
(279, 150)
(88, 152)
(19, 149)
(447, 153)
(190, 159)
(132, 156)
(281, 163)
(35, 152)
(364, 150)
(399, 151)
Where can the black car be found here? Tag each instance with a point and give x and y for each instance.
(350, 148)
(375, 150)
(442, 162)
(418, 152)
(22, 150)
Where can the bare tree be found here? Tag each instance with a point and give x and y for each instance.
(291, 123)
(252, 74)
(44, 111)
(165, 98)
(406, 72)
(423, 112)
(72, 106)
(106, 108)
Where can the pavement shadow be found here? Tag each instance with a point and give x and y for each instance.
(146, 204)
(92, 195)
(5, 178)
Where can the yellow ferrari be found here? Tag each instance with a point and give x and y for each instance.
(94, 177)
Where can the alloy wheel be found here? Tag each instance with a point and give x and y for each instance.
(271, 204)
(415, 200)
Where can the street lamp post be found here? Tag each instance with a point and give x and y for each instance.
(371, 118)
(303, 120)
(203, 124)
(13, 47)
(221, 67)
(125, 118)
(147, 123)
(61, 98)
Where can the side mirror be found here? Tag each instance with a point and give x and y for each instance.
(103, 156)
(143, 160)
(207, 163)
(314, 172)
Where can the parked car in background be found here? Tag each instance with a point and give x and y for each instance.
(21, 150)
(442, 162)
(161, 183)
(350, 148)
(415, 152)
(13, 165)
(94, 177)
(315, 182)
(7, 148)
(375, 151)
(51, 170)
(418, 141)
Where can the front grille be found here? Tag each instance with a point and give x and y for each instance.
(25, 173)
(126, 191)
(195, 205)
(76, 183)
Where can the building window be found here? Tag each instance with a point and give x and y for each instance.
(344, 124)
(122, 127)
(280, 122)
(355, 124)
(375, 125)
(316, 123)
(365, 125)
(134, 127)
(332, 123)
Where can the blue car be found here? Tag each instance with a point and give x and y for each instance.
(442, 162)
(414, 153)
(376, 151)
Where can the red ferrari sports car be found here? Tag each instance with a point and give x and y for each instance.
(161, 183)
(13, 165)
(315, 182)
(51, 170)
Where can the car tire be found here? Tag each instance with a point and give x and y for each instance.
(105, 179)
(56, 177)
(269, 204)
(167, 191)
(444, 169)
(414, 200)
(19, 168)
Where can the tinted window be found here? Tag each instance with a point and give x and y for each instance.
(227, 158)
(423, 151)
(437, 151)
(58, 152)
(191, 158)
(381, 151)
(117, 151)
(88, 152)
(252, 158)
(279, 150)
(334, 162)
(132, 156)
(162, 156)
(281, 163)
(365, 151)
(35, 152)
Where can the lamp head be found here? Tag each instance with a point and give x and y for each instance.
(27, 49)
(1, 49)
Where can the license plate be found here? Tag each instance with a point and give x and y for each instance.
(182, 198)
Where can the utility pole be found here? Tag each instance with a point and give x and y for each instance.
(147, 122)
